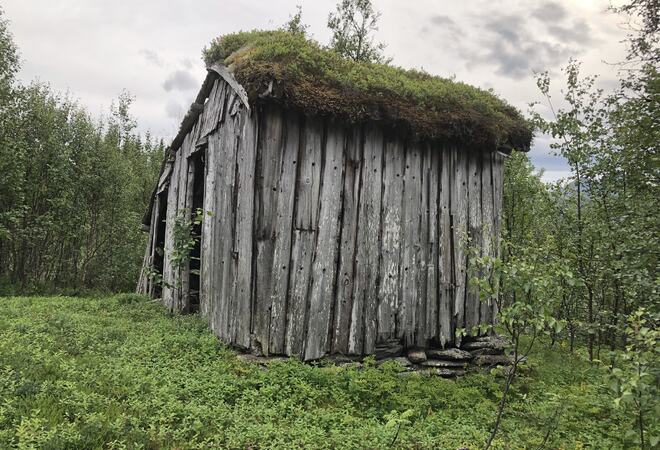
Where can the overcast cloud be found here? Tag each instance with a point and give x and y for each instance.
(152, 48)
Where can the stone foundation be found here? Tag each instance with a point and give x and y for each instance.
(481, 352)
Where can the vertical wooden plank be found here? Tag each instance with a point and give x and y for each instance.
(392, 204)
(421, 333)
(225, 223)
(186, 199)
(487, 225)
(302, 252)
(155, 222)
(269, 152)
(410, 246)
(144, 285)
(309, 183)
(213, 108)
(472, 302)
(245, 167)
(363, 332)
(304, 236)
(324, 267)
(349, 223)
(279, 280)
(431, 238)
(169, 278)
(209, 252)
(497, 172)
(445, 256)
(459, 208)
(208, 229)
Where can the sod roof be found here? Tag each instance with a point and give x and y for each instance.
(299, 72)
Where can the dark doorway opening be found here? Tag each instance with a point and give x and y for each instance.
(159, 252)
(198, 162)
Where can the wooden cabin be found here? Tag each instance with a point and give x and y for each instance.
(326, 231)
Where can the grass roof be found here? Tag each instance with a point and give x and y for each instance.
(314, 78)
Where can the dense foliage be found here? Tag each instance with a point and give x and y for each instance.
(580, 261)
(592, 241)
(72, 188)
(120, 373)
(319, 80)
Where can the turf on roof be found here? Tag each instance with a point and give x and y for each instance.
(317, 80)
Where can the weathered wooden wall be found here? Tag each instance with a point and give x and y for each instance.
(328, 238)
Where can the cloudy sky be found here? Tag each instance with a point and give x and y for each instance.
(151, 48)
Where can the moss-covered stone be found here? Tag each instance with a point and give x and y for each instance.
(319, 81)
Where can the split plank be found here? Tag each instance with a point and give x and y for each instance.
(279, 280)
(170, 279)
(497, 172)
(308, 187)
(324, 267)
(392, 204)
(207, 306)
(225, 223)
(185, 201)
(349, 223)
(487, 225)
(245, 168)
(410, 251)
(431, 238)
(459, 233)
(268, 172)
(472, 302)
(445, 256)
(363, 328)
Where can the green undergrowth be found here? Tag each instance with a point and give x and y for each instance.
(119, 372)
(318, 80)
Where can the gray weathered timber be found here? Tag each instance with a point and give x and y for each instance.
(213, 109)
(487, 225)
(431, 187)
(231, 81)
(349, 221)
(459, 212)
(181, 297)
(145, 283)
(245, 169)
(207, 252)
(324, 267)
(363, 329)
(186, 198)
(170, 277)
(302, 249)
(445, 267)
(268, 171)
(411, 246)
(323, 237)
(309, 177)
(390, 257)
(304, 237)
(208, 225)
(421, 326)
(279, 279)
(472, 302)
(225, 223)
(497, 172)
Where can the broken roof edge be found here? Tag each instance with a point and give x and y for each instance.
(214, 71)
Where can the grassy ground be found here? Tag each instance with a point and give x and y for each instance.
(118, 372)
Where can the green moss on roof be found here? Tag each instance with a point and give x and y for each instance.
(318, 80)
